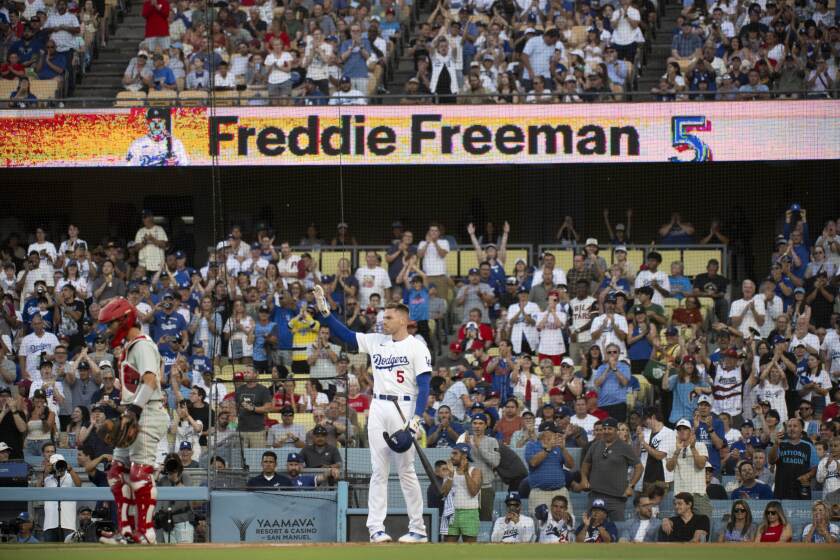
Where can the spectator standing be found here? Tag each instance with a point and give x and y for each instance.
(433, 250)
(373, 279)
(287, 434)
(656, 442)
(254, 402)
(354, 54)
(63, 27)
(625, 21)
(612, 380)
(485, 452)
(605, 467)
(60, 516)
(461, 519)
(156, 14)
(547, 458)
(654, 278)
(150, 242)
(688, 463)
(796, 462)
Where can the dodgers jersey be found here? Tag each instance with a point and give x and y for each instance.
(396, 365)
(140, 355)
(147, 152)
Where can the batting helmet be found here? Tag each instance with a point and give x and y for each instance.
(400, 441)
(119, 309)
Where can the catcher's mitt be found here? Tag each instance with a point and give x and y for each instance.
(120, 432)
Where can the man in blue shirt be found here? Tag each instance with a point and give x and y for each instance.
(354, 53)
(168, 325)
(444, 432)
(708, 429)
(612, 380)
(546, 457)
(28, 48)
(264, 339)
(24, 529)
(183, 273)
(294, 467)
(680, 283)
(162, 76)
(52, 64)
(281, 316)
(417, 298)
(750, 489)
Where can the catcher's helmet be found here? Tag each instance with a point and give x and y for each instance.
(400, 441)
(119, 309)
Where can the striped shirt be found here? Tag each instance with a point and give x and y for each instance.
(727, 390)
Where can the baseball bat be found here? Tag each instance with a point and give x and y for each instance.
(427, 466)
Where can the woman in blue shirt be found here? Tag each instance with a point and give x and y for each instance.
(686, 386)
(642, 341)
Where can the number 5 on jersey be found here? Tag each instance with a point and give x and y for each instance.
(400, 376)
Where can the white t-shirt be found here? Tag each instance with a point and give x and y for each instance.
(276, 75)
(46, 246)
(687, 477)
(372, 281)
(809, 340)
(608, 335)
(433, 263)
(225, 81)
(64, 40)
(748, 321)
(831, 347)
(557, 276)
(581, 311)
(772, 309)
(664, 440)
(822, 380)
(551, 335)
(68, 509)
(646, 278)
(151, 256)
(32, 346)
(623, 32)
(587, 424)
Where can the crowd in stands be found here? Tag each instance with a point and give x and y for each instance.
(339, 52)
(626, 380)
(51, 45)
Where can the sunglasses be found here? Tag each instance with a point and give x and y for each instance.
(612, 351)
(288, 414)
(739, 510)
(773, 512)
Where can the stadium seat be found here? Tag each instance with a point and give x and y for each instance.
(467, 259)
(162, 98)
(513, 255)
(452, 263)
(44, 89)
(329, 260)
(130, 99)
(564, 257)
(225, 98)
(193, 98)
(7, 88)
(695, 260)
(668, 256)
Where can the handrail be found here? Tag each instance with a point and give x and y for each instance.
(394, 99)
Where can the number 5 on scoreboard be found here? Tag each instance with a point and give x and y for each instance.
(683, 139)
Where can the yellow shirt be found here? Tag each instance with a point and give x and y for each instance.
(304, 333)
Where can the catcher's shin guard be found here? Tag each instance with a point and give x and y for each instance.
(123, 497)
(145, 498)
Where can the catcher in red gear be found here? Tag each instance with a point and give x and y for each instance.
(139, 429)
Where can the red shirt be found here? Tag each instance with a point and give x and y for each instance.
(831, 411)
(359, 403)
(6, 70)
(485, 336)
(157, 19)
(507, 427)
(772, 534)
(599, 414)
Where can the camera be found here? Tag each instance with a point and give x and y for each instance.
(164, 520)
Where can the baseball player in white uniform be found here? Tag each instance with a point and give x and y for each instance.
(158, 148)
(137, 432)
(402, 368)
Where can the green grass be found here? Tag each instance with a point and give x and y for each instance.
(425, 552)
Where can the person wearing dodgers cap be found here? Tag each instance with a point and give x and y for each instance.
(514, 527)
(295, 464)
(596, 526)
(688, 463)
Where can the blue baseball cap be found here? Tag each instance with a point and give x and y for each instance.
(185, 445)
(598, 504)
(473, 271)
(180, 255)
(465, 449)
(513, 497)
(295, 458)
(24, 516)
(480, 416)
(255, 245)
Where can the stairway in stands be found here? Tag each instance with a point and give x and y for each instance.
(660, 50)
(104, 79)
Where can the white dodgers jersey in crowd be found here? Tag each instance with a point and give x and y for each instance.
(396, 365)
(140, 355)
(147, 152)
